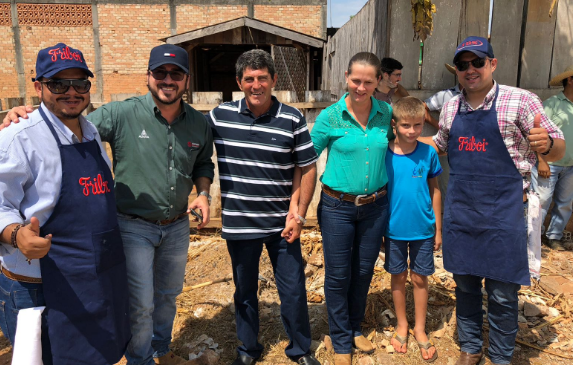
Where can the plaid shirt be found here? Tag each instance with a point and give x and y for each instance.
(516, 109)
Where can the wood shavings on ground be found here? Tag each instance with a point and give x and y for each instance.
(205, 313)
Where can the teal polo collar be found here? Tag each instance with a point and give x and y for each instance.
(375, 107)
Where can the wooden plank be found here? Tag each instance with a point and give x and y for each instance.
(440, 47)
(563, 44)
(402, 47)
(506, 38)
(208, 97)
(474, 19)
(538, 45)
(283, 32)
(206, 31)
(14, 102)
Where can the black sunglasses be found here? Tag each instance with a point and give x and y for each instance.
(162, 74)
(476, 63)
(61, 86)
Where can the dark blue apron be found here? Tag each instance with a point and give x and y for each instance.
(483, 231)
(84, 276)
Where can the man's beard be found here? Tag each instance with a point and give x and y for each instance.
(155, 93)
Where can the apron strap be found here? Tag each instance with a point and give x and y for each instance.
(49, 123)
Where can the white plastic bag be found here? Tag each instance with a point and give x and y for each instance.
(28, 339)
(534, 234)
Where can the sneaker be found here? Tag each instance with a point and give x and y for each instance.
(555, 245)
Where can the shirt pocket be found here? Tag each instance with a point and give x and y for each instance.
(344, 142)
(185, 156)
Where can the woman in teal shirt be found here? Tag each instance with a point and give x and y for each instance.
(353, 209)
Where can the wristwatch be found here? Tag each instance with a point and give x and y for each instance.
(302, 219)
(204, 193)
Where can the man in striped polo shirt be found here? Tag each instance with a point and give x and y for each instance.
(265, 155)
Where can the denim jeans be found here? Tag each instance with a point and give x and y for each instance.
(502, 316)
(352, 237)
(558, 187)
(156, 257)
(15, 295)
(289, 277)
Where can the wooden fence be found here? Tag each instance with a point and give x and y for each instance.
(531, 46)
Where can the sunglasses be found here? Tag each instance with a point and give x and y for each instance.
(476, 63)
(162, 74)
(61, 86)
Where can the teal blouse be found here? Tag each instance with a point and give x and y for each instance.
(356, 155)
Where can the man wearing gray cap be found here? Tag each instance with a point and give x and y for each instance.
(161, 148)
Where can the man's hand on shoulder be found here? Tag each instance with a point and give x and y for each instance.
(15, 113)
(29, 241)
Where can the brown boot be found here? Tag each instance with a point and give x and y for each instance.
(362, 344)
(170, 359)
(342, 359)
(208, 357)
(470, 359)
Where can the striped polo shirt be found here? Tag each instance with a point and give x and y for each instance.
(256, 158)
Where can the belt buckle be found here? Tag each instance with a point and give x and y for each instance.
(359, 197)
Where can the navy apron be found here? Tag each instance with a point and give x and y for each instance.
(484, 231)
(84, 275)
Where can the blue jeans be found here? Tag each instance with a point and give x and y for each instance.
(15, 295)
(289, 277)
(156, 257)
(558, 187)
(502, 316)
(351, 237)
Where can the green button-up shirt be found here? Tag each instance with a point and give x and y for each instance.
(154, 162)
(560, 110)
(356, 155)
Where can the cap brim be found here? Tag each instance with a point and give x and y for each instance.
(480, 54)
(155, 65)
(558, 80)
(450, 68)
(53, 72)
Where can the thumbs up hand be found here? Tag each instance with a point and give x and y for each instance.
(29, 241)
(538, 137)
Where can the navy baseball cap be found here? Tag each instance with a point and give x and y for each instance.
(169, 54)
(58, 58)
(476, 45)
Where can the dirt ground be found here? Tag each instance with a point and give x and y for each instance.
(205, 315)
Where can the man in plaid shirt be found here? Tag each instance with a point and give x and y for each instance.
(491, 133)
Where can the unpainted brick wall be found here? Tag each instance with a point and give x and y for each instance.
(301, 18)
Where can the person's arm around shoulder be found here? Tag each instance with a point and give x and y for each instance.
(15, 113)
(320, 133)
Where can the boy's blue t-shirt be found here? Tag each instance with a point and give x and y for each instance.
(411, 213)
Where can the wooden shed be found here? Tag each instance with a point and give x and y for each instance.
(213, 51)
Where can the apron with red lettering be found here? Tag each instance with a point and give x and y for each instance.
(484, 231)
(84, 275)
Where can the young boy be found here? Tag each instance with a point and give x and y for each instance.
(413, 226)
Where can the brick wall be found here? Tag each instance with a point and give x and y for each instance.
(301, 18)
(190, 17)
(127, 32)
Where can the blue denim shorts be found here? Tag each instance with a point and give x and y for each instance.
(421, 256)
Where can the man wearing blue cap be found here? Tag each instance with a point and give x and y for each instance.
(61, 246)
(491, 133)
(162, 147)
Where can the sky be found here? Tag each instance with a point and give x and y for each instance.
(339, 11)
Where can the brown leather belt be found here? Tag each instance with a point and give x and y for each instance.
(159, 223)
(358, 200)
(20, 278)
